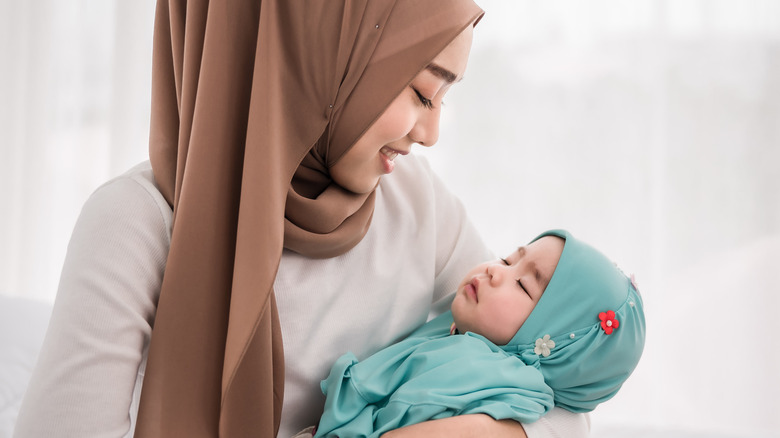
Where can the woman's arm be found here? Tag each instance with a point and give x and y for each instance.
(558, 423)
(475, 425)
(86, 375)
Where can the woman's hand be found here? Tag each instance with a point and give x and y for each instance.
(474, 425)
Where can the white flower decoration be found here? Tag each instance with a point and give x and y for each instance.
(544, 345)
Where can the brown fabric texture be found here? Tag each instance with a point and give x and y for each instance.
(252, 101)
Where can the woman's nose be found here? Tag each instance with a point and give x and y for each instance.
(426, 131)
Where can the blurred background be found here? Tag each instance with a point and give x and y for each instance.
(649, 128)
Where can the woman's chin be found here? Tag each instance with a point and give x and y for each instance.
(357, 184)
(388, 164)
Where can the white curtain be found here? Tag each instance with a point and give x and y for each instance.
(74, 110)
(649, 128)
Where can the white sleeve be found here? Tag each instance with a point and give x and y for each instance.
(559, 423)
(85, 379)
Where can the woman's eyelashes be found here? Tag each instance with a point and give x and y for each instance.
(424, 101)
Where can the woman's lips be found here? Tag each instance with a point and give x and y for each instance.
(388, 155)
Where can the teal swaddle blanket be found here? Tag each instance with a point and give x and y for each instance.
(430, 375)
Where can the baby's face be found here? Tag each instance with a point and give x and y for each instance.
(496, 297)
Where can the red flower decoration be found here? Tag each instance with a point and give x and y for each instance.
(608, 321)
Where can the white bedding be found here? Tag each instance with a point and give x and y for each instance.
(22, 328)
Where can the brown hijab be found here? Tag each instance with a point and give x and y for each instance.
(252, 102)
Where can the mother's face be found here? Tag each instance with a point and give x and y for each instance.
(413, 117)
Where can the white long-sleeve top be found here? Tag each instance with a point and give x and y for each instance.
(89, 374)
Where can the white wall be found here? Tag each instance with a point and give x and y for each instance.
(650, 128)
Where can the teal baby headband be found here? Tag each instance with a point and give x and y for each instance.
(587, 332)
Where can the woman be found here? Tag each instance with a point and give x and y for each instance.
(274, 209)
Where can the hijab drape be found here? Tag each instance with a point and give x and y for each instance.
(252, 101)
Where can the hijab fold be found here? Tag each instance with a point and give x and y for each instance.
(252, 102)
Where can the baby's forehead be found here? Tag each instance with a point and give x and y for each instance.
(548, 245)
(548, 251)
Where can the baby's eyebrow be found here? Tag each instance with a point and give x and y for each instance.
(542, 280)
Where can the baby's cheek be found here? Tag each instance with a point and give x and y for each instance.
(458, 312)
(504, 325)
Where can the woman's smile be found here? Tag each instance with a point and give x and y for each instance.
(387, 155)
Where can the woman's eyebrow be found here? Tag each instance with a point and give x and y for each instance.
(443, 73)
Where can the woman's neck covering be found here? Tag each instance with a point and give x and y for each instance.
(584, 352)
(252, 102)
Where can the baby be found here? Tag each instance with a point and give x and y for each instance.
(555, 323)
